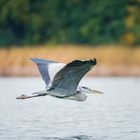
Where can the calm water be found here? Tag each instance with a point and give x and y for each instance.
(112, 116)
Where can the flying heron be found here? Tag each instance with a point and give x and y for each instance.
(62, 79)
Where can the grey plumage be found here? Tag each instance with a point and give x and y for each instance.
(64, 83)
(43, 67)
(69, 77)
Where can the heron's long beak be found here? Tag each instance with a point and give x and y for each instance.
(97, 92)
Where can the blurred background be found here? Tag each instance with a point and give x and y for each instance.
(66, 30)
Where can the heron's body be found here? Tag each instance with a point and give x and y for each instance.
(62, 80)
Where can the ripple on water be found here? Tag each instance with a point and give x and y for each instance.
(79, 137)
(112, 116)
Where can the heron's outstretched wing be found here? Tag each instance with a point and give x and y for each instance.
(47, 69)
(70, 76)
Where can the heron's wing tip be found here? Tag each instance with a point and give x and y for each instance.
(95, 61)
(33, 59)
(39, 60)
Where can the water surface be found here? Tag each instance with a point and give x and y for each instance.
(114, 115)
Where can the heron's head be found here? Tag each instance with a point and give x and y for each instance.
(88, 90)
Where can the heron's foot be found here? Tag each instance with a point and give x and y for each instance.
(22, 97)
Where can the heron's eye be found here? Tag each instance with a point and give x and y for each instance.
(85, 87)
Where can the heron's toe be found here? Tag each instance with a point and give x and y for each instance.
(22, 97)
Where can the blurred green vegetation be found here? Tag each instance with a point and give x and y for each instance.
(69, 21)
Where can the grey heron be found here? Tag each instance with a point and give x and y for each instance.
(62, 80)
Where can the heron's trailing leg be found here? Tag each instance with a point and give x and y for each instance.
(37, 94)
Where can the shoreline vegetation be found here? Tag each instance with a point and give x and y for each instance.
(111, 60)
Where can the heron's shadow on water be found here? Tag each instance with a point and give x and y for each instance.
(78, 137)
